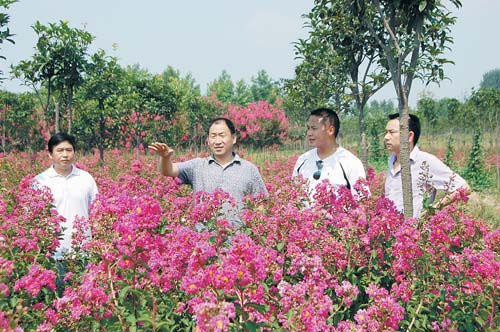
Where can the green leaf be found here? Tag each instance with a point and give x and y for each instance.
(251, 326)
(132, 320)
(280, 246)
(262, 308)
(124, 292)
(443, 294)
(13, 301)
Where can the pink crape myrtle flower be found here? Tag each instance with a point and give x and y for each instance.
(36, 278)
(214, 317)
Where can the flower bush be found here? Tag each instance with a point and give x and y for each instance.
(338, 265)
(259, 124)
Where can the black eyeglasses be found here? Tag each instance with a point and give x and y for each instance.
(319, 165)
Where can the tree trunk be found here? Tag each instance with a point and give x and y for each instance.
(102, 129)
(69, 112)
(138, 143)
(4, 131)
(497, 149)
(69, 109)
(404, 156)
(56, 111)
(362, 134)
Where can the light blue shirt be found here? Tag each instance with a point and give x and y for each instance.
(428, 174)
(239, 178)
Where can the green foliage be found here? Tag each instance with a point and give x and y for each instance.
(190, 113)
(242, 93)
(376, 149)
(5, 34)
(57, 66)
(222, 87)
(491, 80)
(449, 154)
(263, 88)
(482, 109)
(147, 105)
(475, 173)
(428, 108)
(98, 120)
(20, 122)
(376, 119)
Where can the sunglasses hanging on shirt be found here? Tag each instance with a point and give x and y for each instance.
(319, 165)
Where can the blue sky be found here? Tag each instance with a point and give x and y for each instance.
(205, 37)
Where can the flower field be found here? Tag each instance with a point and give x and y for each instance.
(340, 265)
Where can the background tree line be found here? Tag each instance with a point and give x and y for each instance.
(107, 105)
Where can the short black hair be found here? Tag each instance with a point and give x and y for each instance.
(330, 114)
(228, 122)
(59, 138)
(413, 124)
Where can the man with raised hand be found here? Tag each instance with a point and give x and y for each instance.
(223, 169)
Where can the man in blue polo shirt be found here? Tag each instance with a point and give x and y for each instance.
(224, 169)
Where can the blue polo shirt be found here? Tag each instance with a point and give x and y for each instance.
(239, 178)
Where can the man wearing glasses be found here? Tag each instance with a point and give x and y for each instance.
(327, 160)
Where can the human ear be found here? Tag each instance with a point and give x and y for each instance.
(411, 135)
(330, 129)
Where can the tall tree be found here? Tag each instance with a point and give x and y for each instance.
(428, 107)
(242, 93)
(314, 83)
(103, 81)
(344, 56)
(263, 87)
(187, 127)
(148, 104)
(414, 38)
(57, 66)
(491, 79)
(222, 87)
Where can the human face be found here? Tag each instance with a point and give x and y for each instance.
(320, 133)
(62, 156)
(391, 138)
(220, 140)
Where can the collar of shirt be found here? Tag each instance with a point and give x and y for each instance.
(74, 172)
(413, 157)
(338, 154)
(236, 159)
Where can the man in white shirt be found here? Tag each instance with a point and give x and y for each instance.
(327, 159)
(73, 189)
(428, 173)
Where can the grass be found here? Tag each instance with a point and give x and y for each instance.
(485, 206)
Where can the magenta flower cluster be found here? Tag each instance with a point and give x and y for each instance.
(158, 260)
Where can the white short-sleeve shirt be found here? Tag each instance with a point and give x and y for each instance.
(332, 168)
(72, 195)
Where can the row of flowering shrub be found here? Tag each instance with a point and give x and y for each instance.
(341, 265)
